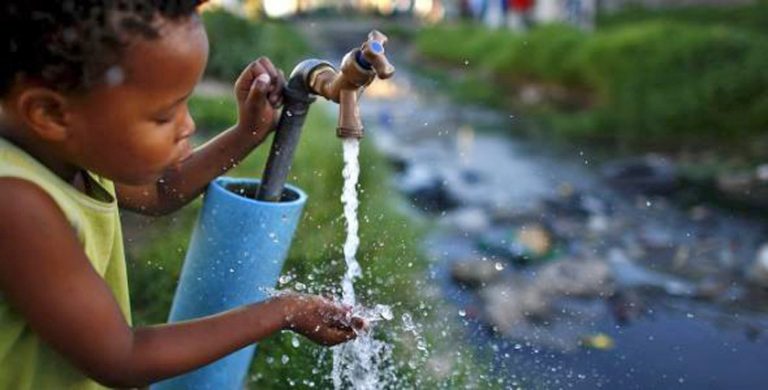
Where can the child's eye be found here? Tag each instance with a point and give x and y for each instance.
(163, 120)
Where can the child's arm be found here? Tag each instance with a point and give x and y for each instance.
(179, 185)
(47, 278)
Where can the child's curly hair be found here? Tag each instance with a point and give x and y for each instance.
(69, 45)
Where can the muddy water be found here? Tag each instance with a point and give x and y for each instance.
(673, 308)
(662, 328)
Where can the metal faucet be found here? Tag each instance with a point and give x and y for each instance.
(358, 69)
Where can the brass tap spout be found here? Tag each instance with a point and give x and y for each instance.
(358, 69)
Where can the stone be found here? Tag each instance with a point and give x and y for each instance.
(575, 278)
(758, 271)
(476, 273)
(468, 220)
(650, 174)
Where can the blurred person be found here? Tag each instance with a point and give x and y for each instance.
(94, 115)
(521, 16)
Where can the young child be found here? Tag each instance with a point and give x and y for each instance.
(94, 115)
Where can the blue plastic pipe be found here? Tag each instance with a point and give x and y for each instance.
(235, 257)
(241, 240)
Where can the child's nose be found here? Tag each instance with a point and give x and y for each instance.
(188, 126)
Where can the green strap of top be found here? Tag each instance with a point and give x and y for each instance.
(25, 361)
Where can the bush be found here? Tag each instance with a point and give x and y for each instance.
(235, 42)
(650, 81)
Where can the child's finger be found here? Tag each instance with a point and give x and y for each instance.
(269, 68)
(244, 84)
(333, 336)
(259, 89)
(359, 323)
(275, 95)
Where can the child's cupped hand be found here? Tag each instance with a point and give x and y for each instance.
(321, 320)
(259, 93)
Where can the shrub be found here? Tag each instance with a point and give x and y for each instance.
(650, 81)
(235, 42)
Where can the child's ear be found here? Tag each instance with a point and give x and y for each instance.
(44, 112)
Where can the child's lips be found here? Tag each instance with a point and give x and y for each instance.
(186, 150)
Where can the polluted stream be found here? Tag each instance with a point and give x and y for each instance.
(558, 272)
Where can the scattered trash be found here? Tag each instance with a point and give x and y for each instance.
(651, 174)
(600, 341)
(522, 245)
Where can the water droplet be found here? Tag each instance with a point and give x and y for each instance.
(285, 359)
(300, 286)
(295, 342)
(498, 266)
(462, 313)
(385, 312)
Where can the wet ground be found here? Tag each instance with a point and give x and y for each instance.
(565, 279)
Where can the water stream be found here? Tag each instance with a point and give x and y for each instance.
(363, 363)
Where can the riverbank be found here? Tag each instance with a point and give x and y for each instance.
(566, 278)
(689, 85)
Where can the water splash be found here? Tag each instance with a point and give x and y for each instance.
(363, 363)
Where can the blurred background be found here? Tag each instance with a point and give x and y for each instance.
(554, 193)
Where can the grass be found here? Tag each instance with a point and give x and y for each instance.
(648, 80)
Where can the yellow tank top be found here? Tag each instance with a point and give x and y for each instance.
(25, 361)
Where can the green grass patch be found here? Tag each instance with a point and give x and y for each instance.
(647, 82)
(752, 16)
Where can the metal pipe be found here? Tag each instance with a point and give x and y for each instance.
(297, 99)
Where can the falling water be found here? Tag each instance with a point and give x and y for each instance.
(351, 173)
(358, 364)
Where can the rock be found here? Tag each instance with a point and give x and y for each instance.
(598, 224)
(745, 187)
(471, 177)
(476, 273)
(468, 220)
(651, 174)
(538, 318)
(575, 204)
(572, 278)
(761, 173)
(416, 177)
(758, 271)
(509, 304)
(626, 306)
(734, 183)
(627, 274)
(426, 189)
(711, 288)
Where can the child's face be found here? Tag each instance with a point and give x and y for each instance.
(134, 130)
